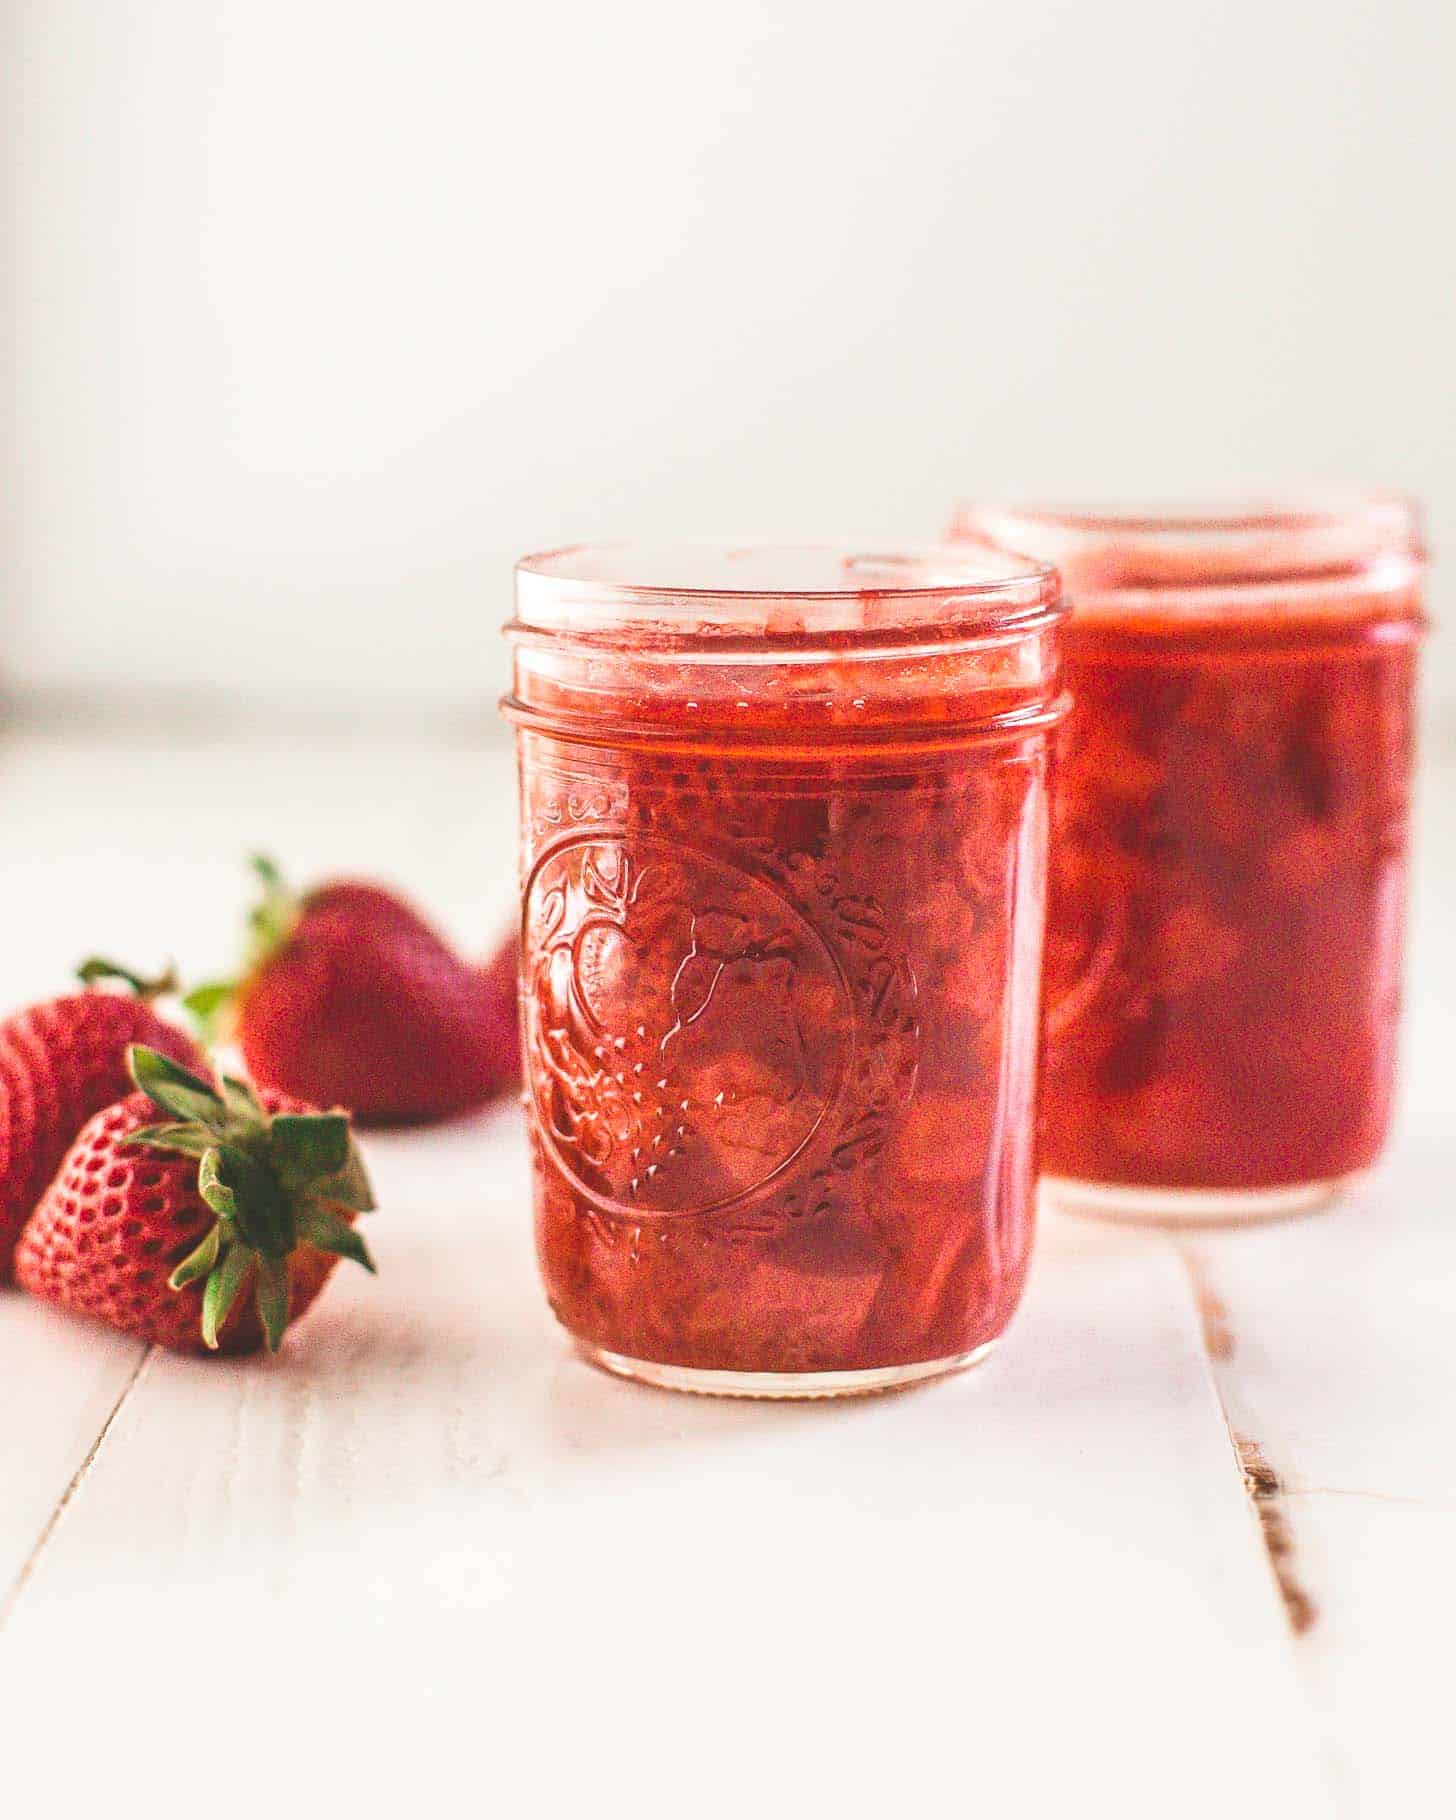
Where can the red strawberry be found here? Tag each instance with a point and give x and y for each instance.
(158, 1228)
(350, 998)
(59, 1063)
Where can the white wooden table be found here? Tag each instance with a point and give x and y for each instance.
(1185, 1546)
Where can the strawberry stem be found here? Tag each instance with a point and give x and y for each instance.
(213, 1004)
(272, 919)
(91, 972)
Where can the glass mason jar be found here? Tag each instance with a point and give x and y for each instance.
(1229, 850)
(783, 837)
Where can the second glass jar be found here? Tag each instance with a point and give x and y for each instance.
(1229, 849)
(784, 821)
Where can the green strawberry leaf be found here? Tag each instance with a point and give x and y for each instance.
(325, 1230)
(213, 1189)
(174, 1088)
(243, 1102)
(186, 1140)
(197, 1263)
(222, 1291)
(206, 1006)
(350, 1187)
(272, 1300)
(310, 1146)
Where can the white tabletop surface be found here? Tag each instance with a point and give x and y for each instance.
(429, 1560)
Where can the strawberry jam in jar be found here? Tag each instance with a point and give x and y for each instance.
(1229, 850)
(783, 847)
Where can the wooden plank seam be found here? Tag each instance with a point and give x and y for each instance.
(78, 1478)
(1263, 1485)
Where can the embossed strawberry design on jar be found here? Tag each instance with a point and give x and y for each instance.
(686, 1025)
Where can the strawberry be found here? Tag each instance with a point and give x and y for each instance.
(60, 1062)
(158, 1228)
(348, 997)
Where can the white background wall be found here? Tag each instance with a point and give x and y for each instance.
(327, 309)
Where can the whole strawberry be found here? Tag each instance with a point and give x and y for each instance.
(215, 1229)
(348, 997)
(60, 1062)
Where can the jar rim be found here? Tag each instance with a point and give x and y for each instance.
(778, 592)
(1312, 536)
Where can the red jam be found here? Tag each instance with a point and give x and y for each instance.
(1229, 848)
(783, 862)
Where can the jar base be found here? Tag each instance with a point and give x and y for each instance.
(1193, 1206)
(781, 1385)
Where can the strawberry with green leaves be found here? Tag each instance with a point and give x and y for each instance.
(348, 997)
(213, 1226)
(61, 1062)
